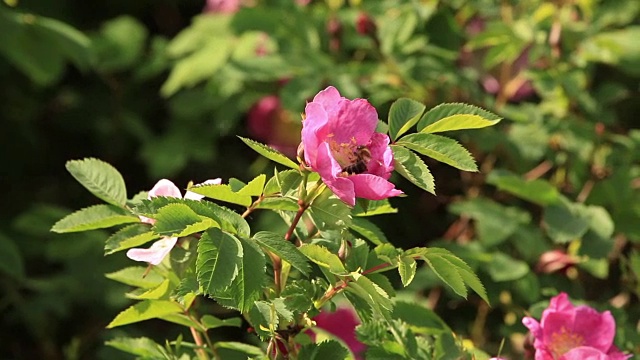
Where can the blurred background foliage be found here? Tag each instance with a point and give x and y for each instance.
(161, 88)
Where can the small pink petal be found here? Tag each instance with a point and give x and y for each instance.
(190, 195)
(165, 187)
(147, 220)
(329, 99)
(156, 253)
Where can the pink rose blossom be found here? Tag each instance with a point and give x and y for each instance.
(222, 6)
(568, 332)
(342, 324)
(159, 249)
(340, 143)
(268, 122)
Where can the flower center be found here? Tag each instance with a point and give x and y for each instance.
(563, 341)
(353, 158)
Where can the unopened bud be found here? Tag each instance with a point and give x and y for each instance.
(555, 260)
(365, 25)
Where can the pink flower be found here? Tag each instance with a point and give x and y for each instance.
(555, 260)
(159, 249)
(568, 332)
(340, 143)
(342, 324)
(268, 122)
(222, 6)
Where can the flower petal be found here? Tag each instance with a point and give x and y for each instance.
(381, 163)
(328, 168)
(314, 131)
(329, 98)
(165, 187)
(598, 330)
(190, 195)
(155, 253)
(355, 119)
(584, 353)
(373, 187)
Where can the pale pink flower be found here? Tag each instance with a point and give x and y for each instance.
(568, 332)
(341, 324)
(156, 253)
(340, 143)
(159, 249)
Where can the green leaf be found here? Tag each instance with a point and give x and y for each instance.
(179, 220)
(278, 203)
(537, 191)
(249, 282)
(254, 187)
(411, 167)
(403, 114)
(198, 66)
(128, 237)
(143, 347)
(221, 192)
(282, 182)
(264, 318)
(494, 222)
(154, 294)
(447, 272)
(254, 351)
(373, 294)
(94, 217)
(135, 276)
(288, 252)
(329, 212)
(565, 221)
(375, 207)
(120, 45)
(421, 319)
(369, 230)
(270, 153)
(505, 268)
(229, 220)
(464, 271)
(219, 256)
(456, 116)
(212, 322)
(145, 310)
(323, 257)
(407, 268)
(440, 148)
(11, 262)
(39, 47)
(329, 349)
(100, 178)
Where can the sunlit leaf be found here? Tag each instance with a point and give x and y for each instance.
(440, 148)
(100, 178)
(270, 153)
(94, 217)
(145, 310)
(411, 167)
(403, 114)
